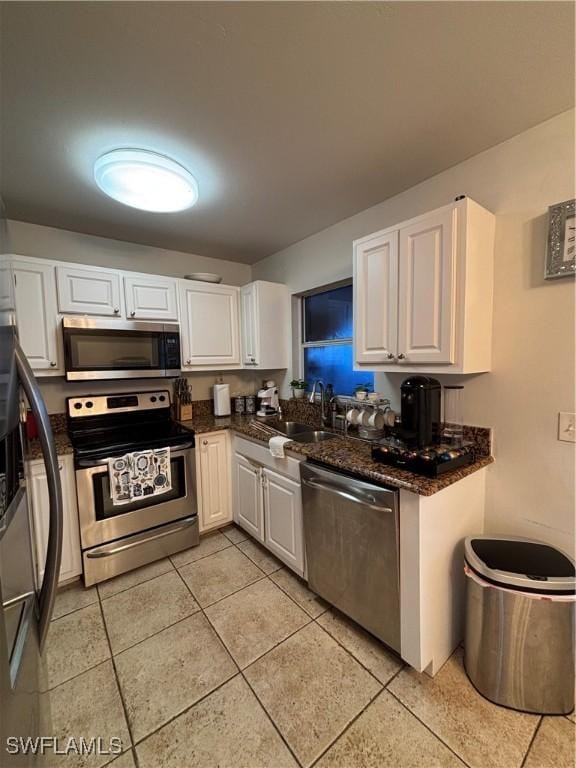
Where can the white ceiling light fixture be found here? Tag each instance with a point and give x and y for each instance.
(146, 180)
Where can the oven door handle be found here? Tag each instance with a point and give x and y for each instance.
(56, 513)
(100, 463)
(107, 550)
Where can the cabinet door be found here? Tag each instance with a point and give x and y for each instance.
(214, 481)
(376, 299)
(427, 290)
(37, 314)
(88, 291)
(248, 497)
(71, 551)
(283, 519)
(150, 297)
(210, 326)
(248, 312)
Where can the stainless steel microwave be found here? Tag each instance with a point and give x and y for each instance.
(116, 349)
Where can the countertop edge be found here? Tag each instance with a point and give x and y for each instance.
(404, 480)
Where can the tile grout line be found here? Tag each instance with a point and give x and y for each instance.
(117, 680)
(428, 728)
(532, 740)
(348, 726)
(144, 581)
(349, 652)
(241, 672)
(186, 709)
(383, 688)
(75, 677)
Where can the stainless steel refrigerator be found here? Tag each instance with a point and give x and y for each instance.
(26, 607)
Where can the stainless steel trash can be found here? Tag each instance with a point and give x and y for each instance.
(519, 642)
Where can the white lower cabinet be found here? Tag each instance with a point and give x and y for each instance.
(267, 503)
(248, 507)
(71, 566)
(283, 519)
(213, 480)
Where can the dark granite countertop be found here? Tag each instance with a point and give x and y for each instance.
(345, 453)
(63, 445)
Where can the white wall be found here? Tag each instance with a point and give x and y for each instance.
(531, 486)
(50, 243)
(55, 390)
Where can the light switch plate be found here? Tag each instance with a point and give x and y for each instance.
(567, 427)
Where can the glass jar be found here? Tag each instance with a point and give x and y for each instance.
(453, 433)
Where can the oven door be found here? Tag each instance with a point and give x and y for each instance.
(102, 522)
(99, 349)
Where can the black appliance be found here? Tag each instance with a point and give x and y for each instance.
(420, 411)
(97, 349)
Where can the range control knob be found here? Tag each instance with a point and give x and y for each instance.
(77, 406)
(153, 399)
(89, 404)
(162, 398)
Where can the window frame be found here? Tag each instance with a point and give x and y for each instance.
(303, 344)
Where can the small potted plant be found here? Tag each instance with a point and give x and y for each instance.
(298, 388)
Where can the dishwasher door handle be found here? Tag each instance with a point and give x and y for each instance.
(346, 495)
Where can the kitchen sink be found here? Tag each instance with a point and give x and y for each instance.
(290, 428)
(316, 436)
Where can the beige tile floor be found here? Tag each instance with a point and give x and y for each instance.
(220, 658)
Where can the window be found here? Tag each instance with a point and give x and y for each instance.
(327, 341)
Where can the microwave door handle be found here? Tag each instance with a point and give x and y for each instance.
(54, 548)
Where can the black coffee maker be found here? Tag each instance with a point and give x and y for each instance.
(420, 411)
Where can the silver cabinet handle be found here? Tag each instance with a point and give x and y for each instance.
(204, 442)
(401, 356)
(52, 364)
(188, 362)
(349, 496)
(390, 356)
(133, 313)
(56, 515)
(116, 311)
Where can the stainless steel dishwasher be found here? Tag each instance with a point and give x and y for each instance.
(351, 529)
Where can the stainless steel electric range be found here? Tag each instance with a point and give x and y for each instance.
(118, 538)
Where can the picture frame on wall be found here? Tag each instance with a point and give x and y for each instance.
(561, 253)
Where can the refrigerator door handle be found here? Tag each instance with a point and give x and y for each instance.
(54, 548)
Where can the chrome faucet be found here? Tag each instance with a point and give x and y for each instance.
(318, 383)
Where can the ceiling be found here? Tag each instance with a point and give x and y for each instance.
(292, 116)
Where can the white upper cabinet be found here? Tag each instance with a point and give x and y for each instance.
(427, 290)
(423, 293)
(265, 325)
(37, 313)
(210, 325)
(150, 297)
(376, 299)
(88, 291)
(248, 323)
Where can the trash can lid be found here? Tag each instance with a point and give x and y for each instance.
(523, 564)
